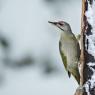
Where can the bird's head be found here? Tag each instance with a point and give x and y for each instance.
(61, 25)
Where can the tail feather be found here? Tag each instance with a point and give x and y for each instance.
(75, 74)
(77, 77)
(69, 74)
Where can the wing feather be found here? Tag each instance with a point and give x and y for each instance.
(64, 58)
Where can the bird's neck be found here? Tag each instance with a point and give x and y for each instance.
(67, 35)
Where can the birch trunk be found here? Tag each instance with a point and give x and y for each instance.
(87, 58)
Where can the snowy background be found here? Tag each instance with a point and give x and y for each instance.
(30, 62)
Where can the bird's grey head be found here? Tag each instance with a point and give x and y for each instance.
(61, 25)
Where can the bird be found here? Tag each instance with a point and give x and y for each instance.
(69, 49)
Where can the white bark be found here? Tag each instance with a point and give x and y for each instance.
(89, 68)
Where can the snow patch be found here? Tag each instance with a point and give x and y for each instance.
(87, 88)
(91, 82)
(91, 45)
(90, 14)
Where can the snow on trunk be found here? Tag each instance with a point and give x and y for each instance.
(89, 33)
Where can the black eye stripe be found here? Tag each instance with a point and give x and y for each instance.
(60, 24)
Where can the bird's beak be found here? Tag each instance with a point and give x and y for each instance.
(57, 24)
(54, 23)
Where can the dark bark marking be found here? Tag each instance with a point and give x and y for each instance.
(90, 1)
(89, 28)
(86, 6)
(89, 57)
(87, 72)
(87, 42)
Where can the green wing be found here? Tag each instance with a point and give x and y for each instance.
(64, 58)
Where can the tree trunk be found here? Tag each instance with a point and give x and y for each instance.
(87, 58)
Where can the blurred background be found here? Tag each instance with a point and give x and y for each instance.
(30, 63)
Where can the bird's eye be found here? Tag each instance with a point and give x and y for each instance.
(61, 24)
